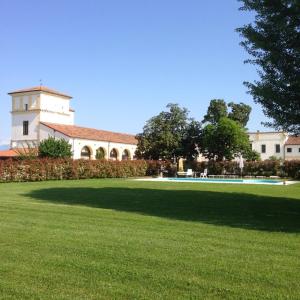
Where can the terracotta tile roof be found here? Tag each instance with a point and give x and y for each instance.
(92, 134)
(14, 152)
(41, 89)
(293, 140)
(264, 132)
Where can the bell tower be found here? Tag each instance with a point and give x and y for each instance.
(32, 106)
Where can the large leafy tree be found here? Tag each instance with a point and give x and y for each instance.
(163, 134)
(273, 40)
(217, 109)
(170, 134)
(240, 112)
(224, 140)
(55, 148)
(191, 142)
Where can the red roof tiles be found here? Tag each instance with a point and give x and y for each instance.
(92, 134)
(293, 140)
(15, 152)
(41, 89)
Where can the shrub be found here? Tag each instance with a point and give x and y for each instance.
(58, 169)
(292, 168)
(55, 148)
(154, 167)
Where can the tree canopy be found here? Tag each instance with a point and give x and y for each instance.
(169, 134)
(240, 112)
(224, 140)
(172, 134)
(273, 41)
(218, 108)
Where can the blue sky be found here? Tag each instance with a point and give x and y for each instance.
(123, 61)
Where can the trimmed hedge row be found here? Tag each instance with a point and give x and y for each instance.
(58, 169)
(252, 168)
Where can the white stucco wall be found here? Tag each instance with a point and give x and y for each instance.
(55, 109)
(59, 118)
(295, 154)
(269, 139)
(46, 132)
(17, 136)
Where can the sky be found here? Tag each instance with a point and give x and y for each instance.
(124, 61)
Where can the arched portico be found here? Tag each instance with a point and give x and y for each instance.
(101, 153)
(114, 154)
(126, 155)
(86, 152)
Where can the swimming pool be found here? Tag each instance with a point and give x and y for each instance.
(219, 180)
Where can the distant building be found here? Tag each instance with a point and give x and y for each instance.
(277, 144)
(39, 112)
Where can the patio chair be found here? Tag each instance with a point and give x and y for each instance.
(188, 173)
(203, 174)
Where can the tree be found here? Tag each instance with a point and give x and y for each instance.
(224, 140)
(252, 155)
(163, 134)
(239, 112)
(273, 41)
(191, 142)
(217, 109)
(55, 148)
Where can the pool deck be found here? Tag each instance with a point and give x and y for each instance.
(210, 180)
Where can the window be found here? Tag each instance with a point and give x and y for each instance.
(289, 150)
(277, 148)
(251, 146)
(26, 107)
(299, 149)
(263, 148)
(25, 127)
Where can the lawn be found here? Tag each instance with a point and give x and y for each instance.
(123, 239)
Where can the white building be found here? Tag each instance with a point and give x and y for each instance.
(277, 144)
(39, 112)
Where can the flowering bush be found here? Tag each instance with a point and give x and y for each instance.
(58, 169)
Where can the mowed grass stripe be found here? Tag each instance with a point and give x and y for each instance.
(116, 239)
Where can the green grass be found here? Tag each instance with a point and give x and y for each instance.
(122, 239)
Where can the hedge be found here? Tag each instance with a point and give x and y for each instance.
(58, 169)
(252, 168)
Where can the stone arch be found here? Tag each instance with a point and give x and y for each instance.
(114, 154)
(126, 155)
(86, 152)
(101, 153)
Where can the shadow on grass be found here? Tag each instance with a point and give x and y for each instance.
(231, 209)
